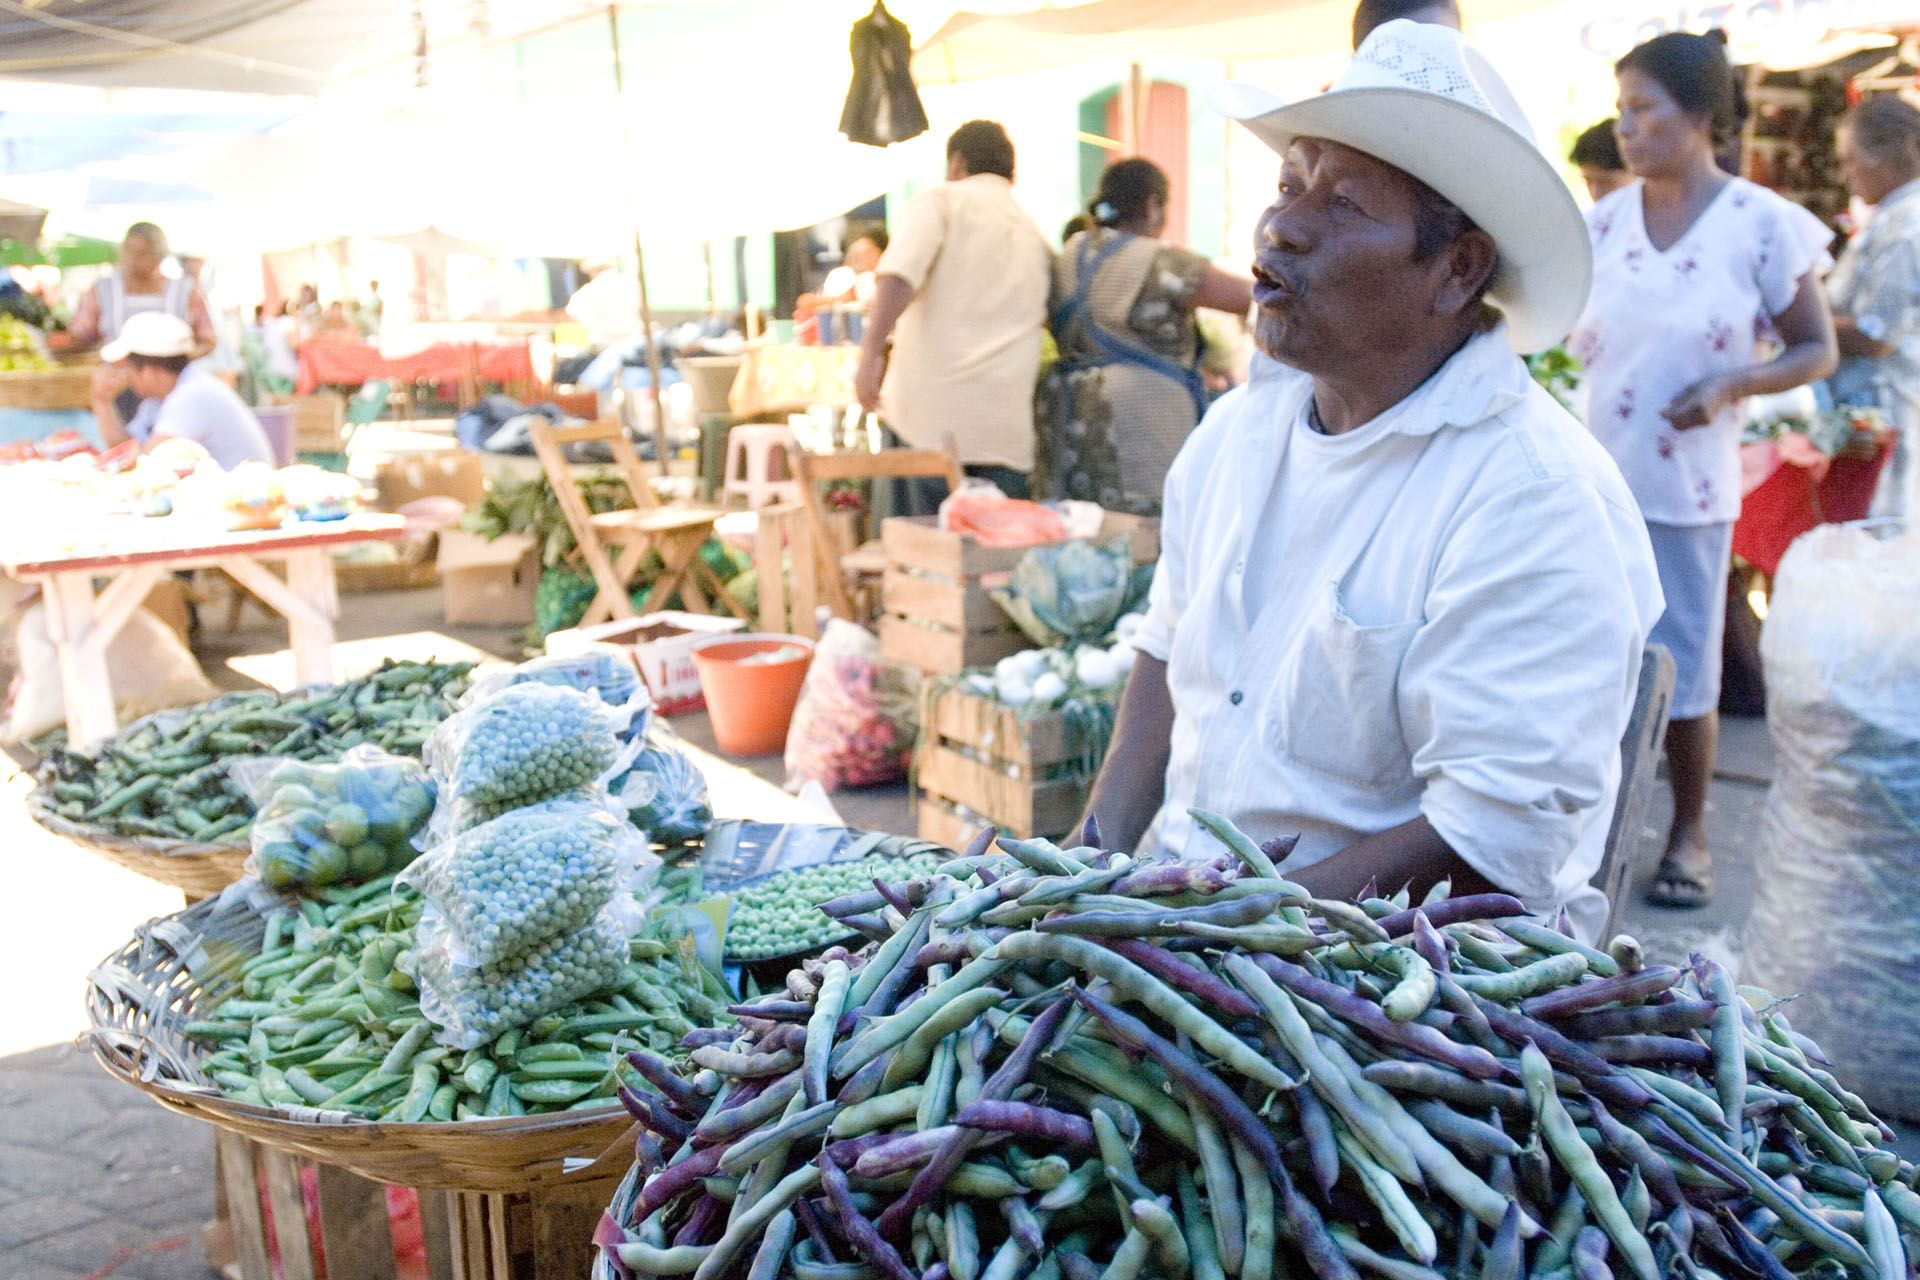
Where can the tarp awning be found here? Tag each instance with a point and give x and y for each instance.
(242, 46)
(975, 46)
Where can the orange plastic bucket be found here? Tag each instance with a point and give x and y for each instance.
(751, 703)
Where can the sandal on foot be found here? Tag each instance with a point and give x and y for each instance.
(1676, 886)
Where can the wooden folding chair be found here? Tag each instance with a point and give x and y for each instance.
(834, 563)
(677, 533)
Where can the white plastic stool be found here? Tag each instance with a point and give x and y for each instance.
(757, 465)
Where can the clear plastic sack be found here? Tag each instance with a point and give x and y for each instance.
(456, 817)
(600, 669)
(524, 743)
(340, 823)
(858, 714)
(1838, 863)
(533, 874)
(473, 1004)
(664, 793)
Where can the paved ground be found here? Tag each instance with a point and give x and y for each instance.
(96, 1180)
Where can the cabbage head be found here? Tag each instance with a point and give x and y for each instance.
(1072, 592)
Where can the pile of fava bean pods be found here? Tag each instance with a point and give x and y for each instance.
(1071, 1063)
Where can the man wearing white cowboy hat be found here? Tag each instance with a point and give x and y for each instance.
(181, 402)
(1402, 594)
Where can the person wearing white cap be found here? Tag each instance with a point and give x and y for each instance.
(1402, 594)
(183, 403)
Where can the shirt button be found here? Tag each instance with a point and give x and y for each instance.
(1235, 697)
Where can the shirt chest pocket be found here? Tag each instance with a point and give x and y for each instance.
(1336, 710)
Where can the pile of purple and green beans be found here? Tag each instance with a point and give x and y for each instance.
(1072, 1064)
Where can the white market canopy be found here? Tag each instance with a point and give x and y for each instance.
(976, 46)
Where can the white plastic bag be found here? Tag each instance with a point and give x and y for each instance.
(148, 666)
(1834, 919)
(857, 716)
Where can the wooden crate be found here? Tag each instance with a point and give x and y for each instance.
(319, 423)
(978, 754)
(939, 616)
(546, 1234)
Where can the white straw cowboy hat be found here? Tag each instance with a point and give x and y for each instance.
(1423, 99)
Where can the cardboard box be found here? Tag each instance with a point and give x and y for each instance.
(488, 582)
(319, 423)
(452, 474)
(662, 646)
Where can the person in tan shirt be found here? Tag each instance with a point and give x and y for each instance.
(964, 282)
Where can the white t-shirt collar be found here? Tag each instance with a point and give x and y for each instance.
(1480, 380)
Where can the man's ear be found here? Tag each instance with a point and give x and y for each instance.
(1470, 260)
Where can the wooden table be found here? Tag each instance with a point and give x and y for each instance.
(134, 553)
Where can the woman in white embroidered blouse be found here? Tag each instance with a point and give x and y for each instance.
(1690, 266)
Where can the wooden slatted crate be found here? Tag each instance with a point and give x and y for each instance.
(981, 756)
(543, 1234)
(939, 616)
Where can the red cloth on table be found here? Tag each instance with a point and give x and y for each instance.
(1791, 487)
(349, 362)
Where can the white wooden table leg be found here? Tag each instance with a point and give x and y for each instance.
(84, 684)
(310, 631)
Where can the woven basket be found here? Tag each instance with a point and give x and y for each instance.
(139, 998)
(69, 388)
(198, 869)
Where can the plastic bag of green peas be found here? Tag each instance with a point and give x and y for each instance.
(523, 744)
(529, 875)
(473, 1004)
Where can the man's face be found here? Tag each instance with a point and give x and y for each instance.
(862, 255)
(1602, 183)
(149, 382)
(1868, 176)
(1334, 280)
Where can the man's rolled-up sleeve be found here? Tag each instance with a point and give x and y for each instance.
(914, 245)
(1516, 689)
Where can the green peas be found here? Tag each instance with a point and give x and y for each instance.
(781, 915)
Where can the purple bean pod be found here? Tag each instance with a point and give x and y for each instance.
(646, 1152)
(658, 1118)
(1090, 832)
(1600, 1076)
(892, 897)
(1078, 1266)
(1202, 983)
(1280, 848)
(773, 1010)
(904, 1151)
(853, 904)
(1754, 1255)
(1028, 1120)
(702, 1036)
(1505, 1254)
(1589, 1255)
(1369, 1017)
(1298, 1214)
(1582, 996)
(1165, 878)
(659, 1073)
(1426, 1080)
(959, 948)
(999, 1087)
(849, 1150)
(1675, 1017)
(860, 1232)
(1472, 906)
(747, 1109)
(705, 1214)
(1660, 1051)
(1323, 1149)
(938, 1271)
(606, 1235)
(664, 1187)
(809, 1218)
(1141, 924)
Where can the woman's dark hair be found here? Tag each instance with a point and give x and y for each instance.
(1369, 14)
(985, 146)
(868, 231)
(1598, 148)
(1125, 188)
(1885, 127)
(1696, 74)
(1075, 225)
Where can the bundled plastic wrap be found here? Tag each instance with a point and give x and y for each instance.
(530, 875)
(664, 793)
(524, 743)
(456, 817)
(857, 717)
(473, 1004)
(340, 823)
(1839, 858)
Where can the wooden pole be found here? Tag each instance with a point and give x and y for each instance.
(639, 254)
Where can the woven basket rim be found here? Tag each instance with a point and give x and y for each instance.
(41, 806)
(533, 1150)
